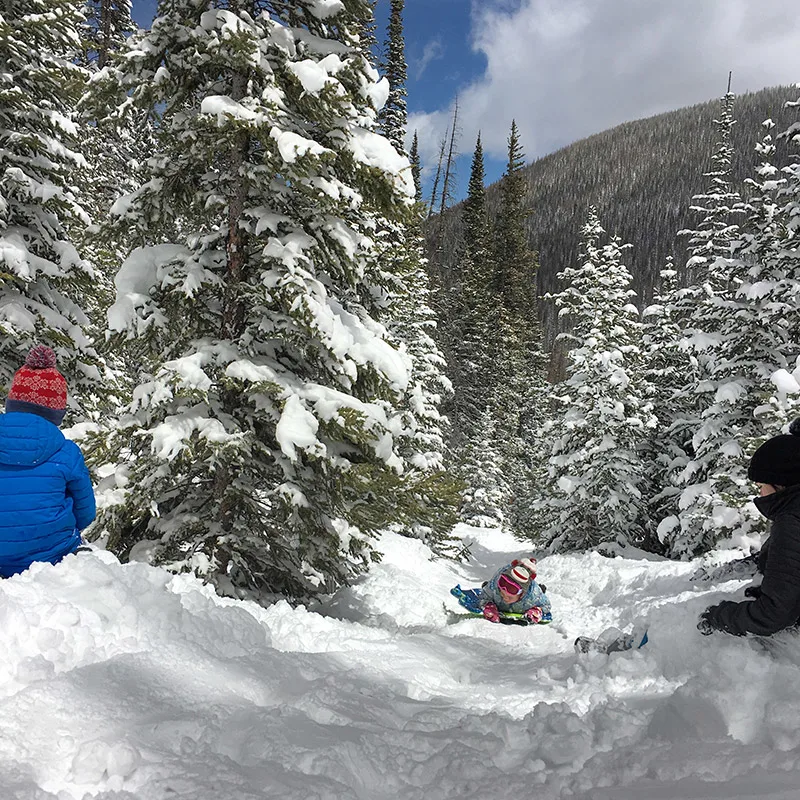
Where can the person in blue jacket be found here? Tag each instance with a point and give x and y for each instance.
(46, 495)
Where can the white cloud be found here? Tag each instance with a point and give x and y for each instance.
(432, 51)
(565, 69)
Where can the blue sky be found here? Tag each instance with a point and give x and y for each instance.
(565, 69)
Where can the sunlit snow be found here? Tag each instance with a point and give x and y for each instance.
(125, 682)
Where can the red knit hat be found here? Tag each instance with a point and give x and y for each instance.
(38, 387)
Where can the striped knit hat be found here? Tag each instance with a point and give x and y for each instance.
(522, 571)
(38, 387)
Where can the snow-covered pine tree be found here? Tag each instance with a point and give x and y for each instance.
(515, 264)
(416, 168)
(263, 441)
(368, 41)
(520, 363)
(108, 24)
(45, 281)
(596, 471)
(760, 318)
(784, 294)
(394, 115)
(470, 336)
(483, 498)
(767, 299)
(433, 514)
(710, 243)
(469, 330)
(668, 371)
(710, 482)
(110, 148)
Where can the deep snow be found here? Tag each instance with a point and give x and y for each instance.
(126, 682)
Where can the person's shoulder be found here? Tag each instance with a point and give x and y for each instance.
(70, 451)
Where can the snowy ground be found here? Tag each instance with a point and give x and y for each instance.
(123, 682)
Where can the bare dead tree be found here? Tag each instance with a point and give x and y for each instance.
(435, 190)
(450, 168)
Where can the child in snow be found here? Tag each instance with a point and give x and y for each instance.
(775, 468)
(46, 495)
(514, 589)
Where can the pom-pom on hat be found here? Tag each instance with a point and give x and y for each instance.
(777, 461)
(38, 387)
(522, 571)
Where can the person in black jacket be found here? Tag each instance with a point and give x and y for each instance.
(775, 605)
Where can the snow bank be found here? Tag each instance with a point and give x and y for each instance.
(125, 682)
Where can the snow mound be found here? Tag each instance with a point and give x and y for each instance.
(122, 681)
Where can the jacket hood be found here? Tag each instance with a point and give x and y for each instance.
(27, 439)
(787, 499)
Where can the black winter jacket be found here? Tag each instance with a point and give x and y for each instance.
(778, 605)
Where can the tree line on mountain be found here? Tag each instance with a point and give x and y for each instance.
(642, 436)
(639, 176)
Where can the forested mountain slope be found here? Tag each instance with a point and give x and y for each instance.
(641, 176)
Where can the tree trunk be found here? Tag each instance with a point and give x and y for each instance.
(233, 311)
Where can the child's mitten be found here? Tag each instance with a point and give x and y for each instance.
(491, 613)
(534, 615)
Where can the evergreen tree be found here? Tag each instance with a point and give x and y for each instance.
(368, 41)
(393, 115)
(783, 299)
(519, 362)
(111, 148)
(468, 333)
(416, 168)
(710, 242)
(44, 281)
(710, 406)
(483, 498)
(471, 363)
(514, 262)
(265, 440)
(433, 514)
(596, 473)
(108, 24)
(668, 370)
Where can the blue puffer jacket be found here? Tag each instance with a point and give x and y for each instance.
(46, 495)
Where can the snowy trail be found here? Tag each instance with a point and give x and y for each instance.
(123, 682)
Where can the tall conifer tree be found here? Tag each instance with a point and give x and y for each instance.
(710, 480)
(272, 430)
(469, 329)
(471, 359)
(394, 115)
(113, 149)
(45, 281)
(596, 475)
(520, 363)
(368, 41)
(108, 24)
(669, 370)
(416, 168)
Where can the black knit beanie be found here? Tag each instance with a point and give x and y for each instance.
(777, 461)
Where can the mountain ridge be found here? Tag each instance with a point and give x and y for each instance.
(640, 175)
